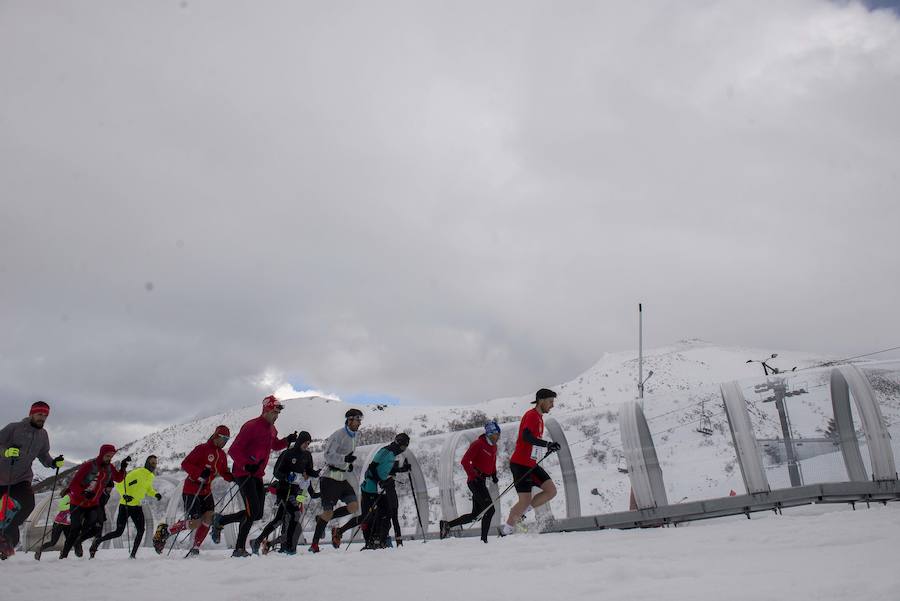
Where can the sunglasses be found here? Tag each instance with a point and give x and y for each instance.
(225, 436)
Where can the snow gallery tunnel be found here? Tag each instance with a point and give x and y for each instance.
(797, 437)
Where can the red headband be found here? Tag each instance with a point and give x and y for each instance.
(39, 407)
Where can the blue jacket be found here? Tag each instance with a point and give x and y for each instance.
(380, 469)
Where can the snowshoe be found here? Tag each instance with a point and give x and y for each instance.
(160, 537)
(194, 552)
(240, 553)
(79, 550)
(314, 548)
(92, 550)
(444, 529)
(6, 549)
(264, 546)
(284, 551)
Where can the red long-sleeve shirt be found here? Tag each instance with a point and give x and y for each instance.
(480, 458)
(253, 445)
(206, 455)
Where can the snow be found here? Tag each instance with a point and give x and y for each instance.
(818, 552)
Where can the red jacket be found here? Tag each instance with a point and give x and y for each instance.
(480, 458)
(206, 455)
(93, 476)
(253, 444)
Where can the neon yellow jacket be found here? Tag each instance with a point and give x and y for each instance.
(63, 504)
(139, 483)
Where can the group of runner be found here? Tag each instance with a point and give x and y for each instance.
(82, 508)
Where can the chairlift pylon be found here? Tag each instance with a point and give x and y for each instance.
(705, 426)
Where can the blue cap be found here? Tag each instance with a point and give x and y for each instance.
(492, 427)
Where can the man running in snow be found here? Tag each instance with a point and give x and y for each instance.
(21, 443)
(202, 465)
(378, 508)
(290, 492)
(523, 463)
(138, 483)
(85, 492)
(333, 485)
(480, 463)
(250, 454)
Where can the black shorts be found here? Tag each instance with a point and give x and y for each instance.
(333, 491)
(535, 476)
(197, 506)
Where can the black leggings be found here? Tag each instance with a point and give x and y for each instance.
(254, 494)
(481, 500)
(83, 524)
(57, 531)
(284, 506)
(126, 512)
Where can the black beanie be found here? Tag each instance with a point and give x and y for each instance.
(304, 436)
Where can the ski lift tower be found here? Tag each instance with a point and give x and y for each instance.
(779, 392)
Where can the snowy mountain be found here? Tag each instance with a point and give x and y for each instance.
(681, 395)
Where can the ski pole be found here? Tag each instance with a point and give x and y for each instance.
(508, 488)
(37, 554)
(187, 515)
(366, 519)
(412, 489)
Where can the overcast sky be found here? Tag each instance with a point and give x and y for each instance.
(439, 202)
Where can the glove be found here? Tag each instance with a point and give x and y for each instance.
(302, 498)
(314, 494)
(313, 473)
(11, 453)
(386, 484)
(59, 461)
(553, 447)
(251, 468)
(291, 438)
(88, 494)
(349, 458)
(494, 478)
(272, 490)
(205, 474)
(291, 477)
(128, 498)
(158, 497)
(228, 477)
(124, 465)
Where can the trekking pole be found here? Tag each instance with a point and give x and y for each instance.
(412, 489)
(127, 516)
(187, 515)
(508, 488)
(365, 519)
(37, 554)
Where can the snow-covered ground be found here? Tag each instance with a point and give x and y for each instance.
(819, 552)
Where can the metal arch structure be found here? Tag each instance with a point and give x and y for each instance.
(644, 470)
(566, 463)
(746, 446)
(847, 381)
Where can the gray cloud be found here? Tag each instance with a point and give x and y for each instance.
(444, 203)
